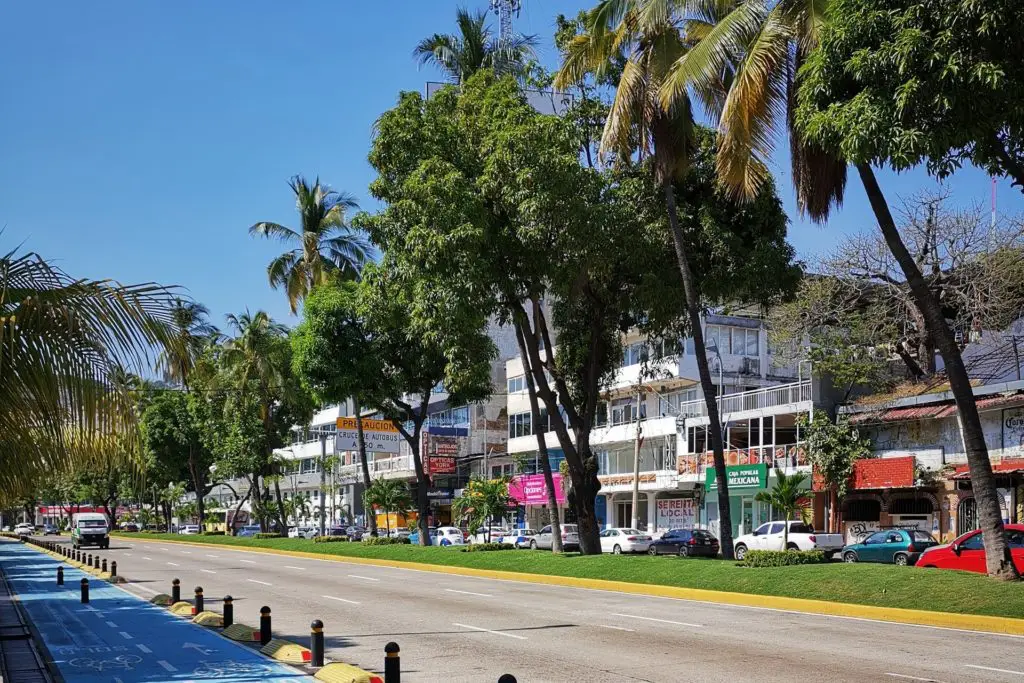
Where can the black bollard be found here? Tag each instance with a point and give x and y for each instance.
(316, 642)
(85, 591)
(96, 561)
(392, 663)
(175, 591)
(88, 560)
(113, 568)
(264, 625)
(507, 678)
(60, 576)
(104, 570)
(199, 600)
(229, 610)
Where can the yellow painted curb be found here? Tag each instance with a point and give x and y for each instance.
(339, 672)
(242, 633)
(208, 619)
(182, 609)
(969, 622)
(287, 651)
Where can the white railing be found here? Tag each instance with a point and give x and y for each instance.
(768, 397)
(379, 467)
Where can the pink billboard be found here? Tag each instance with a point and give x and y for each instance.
(529, 489)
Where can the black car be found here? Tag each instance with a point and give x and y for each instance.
(685, 543)
(355, 533)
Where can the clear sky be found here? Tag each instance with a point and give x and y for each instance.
(140, 140)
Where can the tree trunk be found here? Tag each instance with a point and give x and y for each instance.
(714, 422)
(542, 447)
(586, 490)
(997, 552)
(422, 502)
(230, 528)
(371, 519)
(280, 507)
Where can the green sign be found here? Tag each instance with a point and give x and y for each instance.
(739, 477)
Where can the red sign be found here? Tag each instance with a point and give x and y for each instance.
(440, 464)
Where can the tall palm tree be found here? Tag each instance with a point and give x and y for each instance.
(473, 48)
(787, 496)
(326, 244)
(62, 342)
(193, 332)
(651, 36)
(390, 495)
(764, 43)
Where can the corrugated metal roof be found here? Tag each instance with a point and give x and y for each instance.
(1008, 466)
(935, 411)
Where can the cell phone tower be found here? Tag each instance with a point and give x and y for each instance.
(505, 9)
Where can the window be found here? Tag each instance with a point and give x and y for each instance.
(973, 543)
(671, 404)
(498, 471)
(624, 410)
(878, 537)
(546, 530)
(921, 536)
(697, 438)
(894, 537)
(763, 529)
(635, 353)
(737, 341)
(601, 414)
(911, 506)
(801, 528)
(1015, 539)
(777, 528)
(516, 384)
(520, 424)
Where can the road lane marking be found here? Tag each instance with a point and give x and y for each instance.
(487, 630)
(111, 624)
(331, 597)
(186, 552)
(663, 621)
(127, 554)
(174, 564)
(263, 583)
(167, 665)
(213, 556)
(147, 558)
(126, 635)
(992, 668)
(482, 595)
(143, 648)
(144, 588)
(618, 628)
(208, 571)
(247, 561)
(301, 569)
(364, 578)
(912, 678)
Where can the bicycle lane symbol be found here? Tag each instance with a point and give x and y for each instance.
(119, 663)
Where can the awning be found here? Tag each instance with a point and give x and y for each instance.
(1008, 466)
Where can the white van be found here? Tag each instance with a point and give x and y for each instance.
(89, 528)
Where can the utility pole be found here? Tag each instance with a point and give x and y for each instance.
(323, 483)
(636, 459)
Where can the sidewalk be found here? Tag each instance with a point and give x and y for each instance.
(117, 637)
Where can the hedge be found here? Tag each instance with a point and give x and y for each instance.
(269, 534)
(486, 547)
(213, 533)
(386, 540)
(782, 558)
(330, 539)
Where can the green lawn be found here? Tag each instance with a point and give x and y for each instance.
(867, 584)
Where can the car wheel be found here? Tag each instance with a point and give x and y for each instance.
(685, 552)
(616, 550)
(533, 545)
(829, 556)
(445, 542)
(741, 552)
(901, 560)
(792, 546)
(850, 557)
(652, 550)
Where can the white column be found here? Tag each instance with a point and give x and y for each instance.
(652, 512)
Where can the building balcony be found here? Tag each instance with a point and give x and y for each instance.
(782, 398)
(693, 466)
(649, 481)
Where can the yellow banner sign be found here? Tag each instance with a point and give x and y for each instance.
(368, 425)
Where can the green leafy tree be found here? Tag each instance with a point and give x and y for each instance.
(389, 495)
(833, 448)
(482, 502)
(788, 496)
(473, 48)
(941, 58)
(325, 244)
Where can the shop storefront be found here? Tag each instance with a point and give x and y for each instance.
(744, 483)
(530, 491)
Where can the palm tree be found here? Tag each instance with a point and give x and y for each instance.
(390, 495)
(62, 341)
(474, 48)
(787, 496)
(651, 36)
(326, 244)
(483, 501)
(193, 332)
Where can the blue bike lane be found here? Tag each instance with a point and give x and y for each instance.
(118, 637)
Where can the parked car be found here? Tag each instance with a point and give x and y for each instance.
(355, 533)
(624, 540)
(967, 552)
(249, 530)
(496, 534)
(895, 546)
(130, 527)
(769, 536)
(189, 529)
(24, 529)
(570, 538)
(520, 538)
(685, 543)
(446, 536)
(414, 537)
(301, 531)
(50, 530)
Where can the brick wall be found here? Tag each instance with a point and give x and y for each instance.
(883, 473)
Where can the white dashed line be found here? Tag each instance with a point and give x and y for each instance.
(174, 564)
(482, 595)
(331, 597)
(127, 554)
(111, 624)
(663, 621)
(166, 665)
(301, 569)
(262, 583)
(364, 578)
(186, 552)
(208, 571)
(213, 556)
(126, 635)
(247, 561)
(992, 668)
(147, 558)
(143, 648)
(487, 630)
(911, 678)
(618, 628)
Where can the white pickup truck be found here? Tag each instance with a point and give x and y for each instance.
(769, 536)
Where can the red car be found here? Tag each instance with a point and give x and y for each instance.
(967, 552)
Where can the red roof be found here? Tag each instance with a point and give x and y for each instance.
(936, 410)
(1007, 466)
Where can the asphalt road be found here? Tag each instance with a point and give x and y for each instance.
(456, 628)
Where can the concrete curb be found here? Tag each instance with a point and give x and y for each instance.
(286, 651)
(900, 615)
(339, 672)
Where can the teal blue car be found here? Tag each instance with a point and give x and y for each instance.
(890, 546)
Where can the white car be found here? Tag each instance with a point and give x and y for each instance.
(496, 535)
(446, 536)
(624, 540)
(520, 538)
(769, 536)
(301, 532)
(189, 530)
(24, 529)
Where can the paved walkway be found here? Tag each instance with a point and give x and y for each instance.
(118, 638)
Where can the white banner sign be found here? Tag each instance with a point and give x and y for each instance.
(676, 513)
(380, 436)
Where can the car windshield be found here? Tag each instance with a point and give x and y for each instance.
(91, 523)
(570, 528)
(922, 536)
(630, 532)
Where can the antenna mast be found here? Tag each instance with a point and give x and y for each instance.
(505, 9)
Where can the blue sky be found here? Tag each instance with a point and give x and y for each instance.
(139, 140)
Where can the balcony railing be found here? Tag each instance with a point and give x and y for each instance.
(768, 397)
(781, 457)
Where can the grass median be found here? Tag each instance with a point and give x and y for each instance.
(864, 584)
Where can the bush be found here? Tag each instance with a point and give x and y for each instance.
(330, 539)
(782, 558)
(213, 533)
(486, 547)
(386, 540)
(268, 534)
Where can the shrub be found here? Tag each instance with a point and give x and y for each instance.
(386, 540)
(486, 547)
(268, 534)
(213, 533)
(782, 558)
(330, 539)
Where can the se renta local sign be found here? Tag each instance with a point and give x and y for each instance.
(739, 477)
(381, 436)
